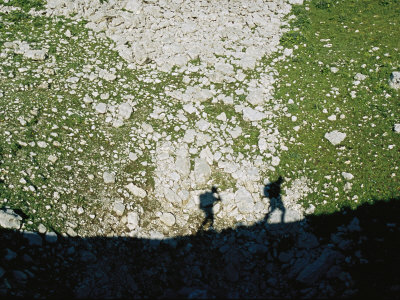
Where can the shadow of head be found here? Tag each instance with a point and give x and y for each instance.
(273, 189)
(214, 189)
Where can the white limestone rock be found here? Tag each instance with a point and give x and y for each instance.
(182, 165)
(133, 220)
(125, 111)
(347, 176)
(134, 6)
(202, 125)
(119, 208)
(33, 238)
(396, 128)
(394, 81)
(275, 161)
(296, 2)
(35, 54)
(108, 177)
(101, 108)
(221, 117)
(244, 201)
(335, 137)
(202, 171)
(251, 115)
(51, 237)
(136, 191)
(168, 219)
(9, 219)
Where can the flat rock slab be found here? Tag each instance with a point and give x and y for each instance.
(394, 81)
(335, 137)
(9, 219)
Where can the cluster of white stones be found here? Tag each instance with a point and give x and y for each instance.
(172, 32)
(227, 40)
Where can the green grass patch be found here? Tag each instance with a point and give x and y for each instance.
(354, 37)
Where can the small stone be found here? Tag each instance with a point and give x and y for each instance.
(87, 256)
(396, 128)
(117, 123)
(360, 77)
(19, 276)
(182, 165)
(332, 118)
(73, 79)
(87, 99)
(312, 272)
(101, 108)
(394, 81)
(136, 191)
(202, 125)
(235, 132)
(168, 219)
(10, 255)
(119, 208)
(107, 75)
(71, 232)
(42, 228)
(307, 241)
(125, 110)
(51, 237)
(347, 176)
(108, 177)
(275, 161)
(244, 201)
(34, 239)
(9, 219)
(354, 225)
(335, 137)
(133, 156)
(52, 158)
(134, 6)
(334, 69)
(251, 115)
(288, 52)
(44, 85)
(296, 2)
(35, 54)
(347, 186)
(133, 220)
(285, 257)
(42, 144)
(221, 117)
(310, 210)
(202, 171)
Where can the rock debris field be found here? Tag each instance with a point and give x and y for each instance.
(154, 124)
(145, 147)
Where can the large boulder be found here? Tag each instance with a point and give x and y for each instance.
(9, 219)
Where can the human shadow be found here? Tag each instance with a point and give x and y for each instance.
(273, 192)
(207, 201)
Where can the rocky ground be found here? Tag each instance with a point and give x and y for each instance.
(138, 143)
(146, 136)
(352, 254)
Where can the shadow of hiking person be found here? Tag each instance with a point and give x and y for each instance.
(207, 201)
(273, 192)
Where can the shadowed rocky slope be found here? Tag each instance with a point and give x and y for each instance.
(347, 254)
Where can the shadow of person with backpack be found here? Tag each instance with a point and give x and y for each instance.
(273, 192)
(207, 201)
